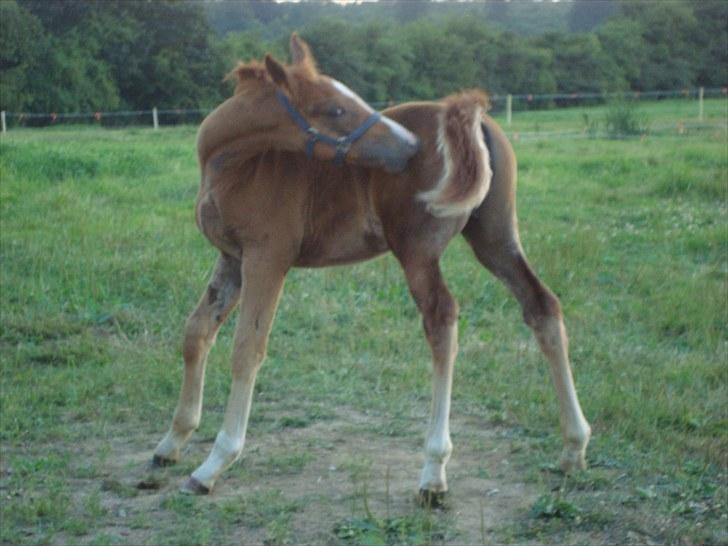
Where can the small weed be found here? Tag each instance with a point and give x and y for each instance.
(591, 125)
(119, 489)
(184, 505)
(76, 526)
(294, 422)
(260, 509)
(483, 472)
(589, 480)
(414, 529)
(93, 507)
(554, 506)
(140, 520)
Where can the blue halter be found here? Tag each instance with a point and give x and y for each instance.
(342, 144)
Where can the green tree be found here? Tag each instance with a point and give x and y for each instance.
(21, 42)
(522, 67)
(441, 62)
(667, 30)
(336, 48)
(622, 39)
(176, 62)
(711, 41)
(246, 46)
(70, 78)
(157, 53)
(580, 64)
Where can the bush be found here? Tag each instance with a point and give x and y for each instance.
(623, 119)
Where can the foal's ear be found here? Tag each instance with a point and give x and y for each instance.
(300, 52)
(277, 71)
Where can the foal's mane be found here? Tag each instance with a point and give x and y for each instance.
(248, 76)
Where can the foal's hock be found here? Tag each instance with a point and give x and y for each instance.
(298, 171)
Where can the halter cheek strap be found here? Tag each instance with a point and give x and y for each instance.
(342, 144)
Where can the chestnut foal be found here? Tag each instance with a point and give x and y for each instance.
(268, 207)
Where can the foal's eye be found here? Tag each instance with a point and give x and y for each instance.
(336, 112)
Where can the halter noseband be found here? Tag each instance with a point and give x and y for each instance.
(342, 144)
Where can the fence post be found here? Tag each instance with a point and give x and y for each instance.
(4, 124)
(155, 118)
(701, 93)
(509, 109)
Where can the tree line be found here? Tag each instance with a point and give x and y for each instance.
(122, 54)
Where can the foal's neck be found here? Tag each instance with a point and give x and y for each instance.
(245, 124)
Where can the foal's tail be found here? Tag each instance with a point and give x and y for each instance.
(466, 171)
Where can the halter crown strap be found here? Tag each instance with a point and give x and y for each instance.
(342, 144)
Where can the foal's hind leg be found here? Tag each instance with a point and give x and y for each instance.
(499, 250)
(217, 301)
(439, 317)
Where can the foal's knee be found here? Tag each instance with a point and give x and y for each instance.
(197, 337)
(441, 312)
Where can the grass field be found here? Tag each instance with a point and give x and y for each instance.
(101, 262)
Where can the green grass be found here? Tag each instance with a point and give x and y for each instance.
(101, 262)
(661, 117)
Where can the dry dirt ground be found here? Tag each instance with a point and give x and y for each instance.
(317, 482)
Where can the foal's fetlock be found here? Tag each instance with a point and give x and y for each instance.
(573, 456)
(169, 450)
(158, 461)
(194, 487)
(572, 461)
(225, 451)
(433, 479)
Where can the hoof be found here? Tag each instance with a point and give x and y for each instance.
(194, 487)
(432, 499)
(572, 461)
(160, 462)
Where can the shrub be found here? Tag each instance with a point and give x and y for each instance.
(623, 119)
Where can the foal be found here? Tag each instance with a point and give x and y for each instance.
(267, 208)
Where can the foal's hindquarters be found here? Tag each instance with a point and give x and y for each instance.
(295, 222)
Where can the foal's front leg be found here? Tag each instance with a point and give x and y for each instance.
(262, 285)
(217, 301)
(439, 317)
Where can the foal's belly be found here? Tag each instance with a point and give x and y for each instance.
(341, 246)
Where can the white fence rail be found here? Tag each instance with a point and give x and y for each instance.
(507, 103)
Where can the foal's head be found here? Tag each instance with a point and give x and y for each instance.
(320, 115)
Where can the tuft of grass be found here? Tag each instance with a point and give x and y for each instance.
(414, 529)
(554, 506)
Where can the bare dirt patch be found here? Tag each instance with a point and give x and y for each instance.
(296, 483)
(342, 478)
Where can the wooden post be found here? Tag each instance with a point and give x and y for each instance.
(4, 124)
(509, 109)
(701, 93)
(155, 118)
